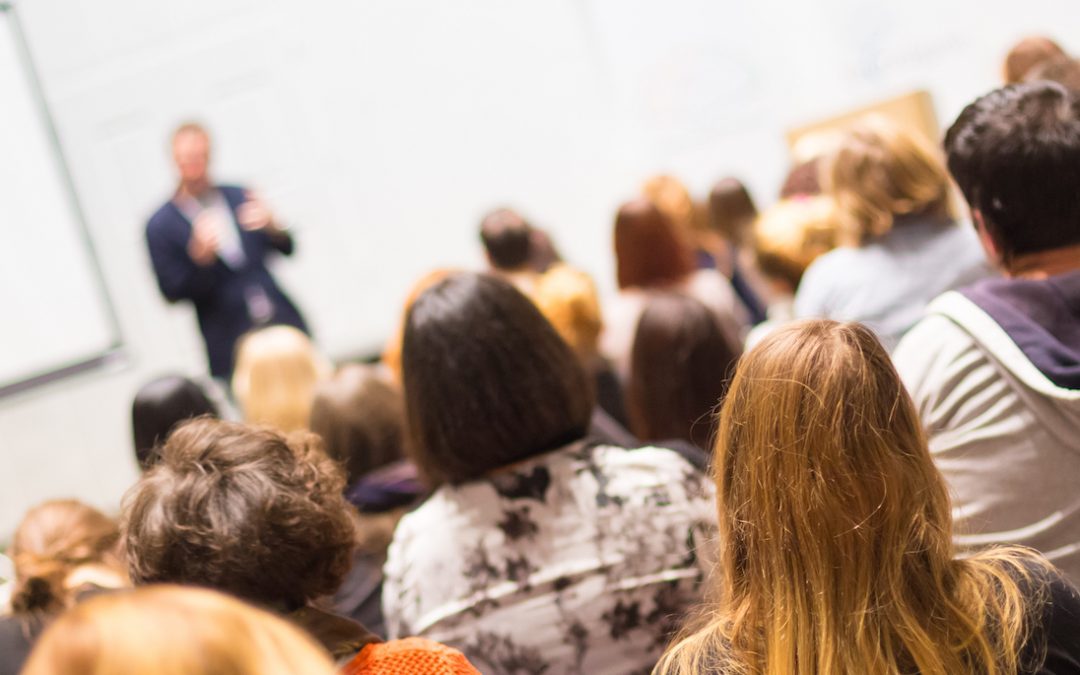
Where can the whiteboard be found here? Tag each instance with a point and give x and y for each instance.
(56, 317)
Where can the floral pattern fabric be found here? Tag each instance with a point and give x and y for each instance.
(583, 560)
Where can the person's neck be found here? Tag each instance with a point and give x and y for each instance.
(193, 189)
(1044, 264)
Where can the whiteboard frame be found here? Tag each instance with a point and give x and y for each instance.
(113, 354)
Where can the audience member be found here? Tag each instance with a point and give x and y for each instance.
(679, 369)
(837, 555)
(62, 550)
(731, 214)
(1028, 54)
(652, 256)
(507, 239)
(787, 238)
(538, 552)
(361, 419)
(893, 192)
(568, 299)
(277, 370)
(993, 368)
(391, 356)
(170, 630)
(159, 406)
(253, 513)
(671, 196)
(803, 180)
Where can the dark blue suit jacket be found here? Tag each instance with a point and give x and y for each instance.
(219, 293)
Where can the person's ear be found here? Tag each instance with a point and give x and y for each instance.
(990, 247)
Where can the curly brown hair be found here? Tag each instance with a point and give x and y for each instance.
(247, 511)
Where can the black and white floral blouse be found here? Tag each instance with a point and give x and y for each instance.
(583, 560)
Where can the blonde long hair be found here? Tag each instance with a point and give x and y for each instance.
(170, 630)
(277, 370)
(837, 555)
(882, 171)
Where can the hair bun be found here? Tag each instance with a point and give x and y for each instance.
(36, 594)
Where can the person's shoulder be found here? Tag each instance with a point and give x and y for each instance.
(936, 354)
(163, 217)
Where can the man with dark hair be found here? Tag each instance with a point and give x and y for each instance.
(995, 368)
(209, 245)
(508, 242)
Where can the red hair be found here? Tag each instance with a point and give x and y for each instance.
(649, 250)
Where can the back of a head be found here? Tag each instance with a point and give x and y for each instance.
(882, 171)
(391, 356)
(53, 540)
(671, 196)
(1015, 153)
(649, 250)
(680, 365)
(789, 235)
(159, 406)
(168, 630)
(277, 369)
(361, 419)
(507, 239)
(568, 299)
(245, 511)
(818, 432)
(488, 381)
(731, 209)
(802, 180)
(1027, 55)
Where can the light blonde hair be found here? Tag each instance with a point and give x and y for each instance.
(277, 369)
(792, 233)
(881, 171)
(837, 554)
(568, 298)
(57, 545)
(170, 630)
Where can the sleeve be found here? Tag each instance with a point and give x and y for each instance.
(178, 277)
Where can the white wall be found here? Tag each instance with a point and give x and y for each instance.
(383, 129)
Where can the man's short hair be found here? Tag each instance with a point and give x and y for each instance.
(189, 127)
(507, 237)
(1015, 153)
(241, 510)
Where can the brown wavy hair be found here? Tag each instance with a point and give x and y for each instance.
(247, 511)
(882, 171)
(53, 540)
(837, 554)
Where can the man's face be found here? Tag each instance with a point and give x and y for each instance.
(191, 152)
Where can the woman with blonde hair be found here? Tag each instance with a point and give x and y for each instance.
(277, 370)
(892, 190)
(61, 550)
(170, 630)
(837, 554)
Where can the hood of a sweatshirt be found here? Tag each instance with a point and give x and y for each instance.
(1041, 317)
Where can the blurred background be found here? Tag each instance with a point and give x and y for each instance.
(381, 131)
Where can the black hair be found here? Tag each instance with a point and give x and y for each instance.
(158, 407)
(1015, 153)
(507, 237)
(488, 381)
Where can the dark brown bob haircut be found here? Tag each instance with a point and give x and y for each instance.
(241, 510)
(488, 381)
(649, 250)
